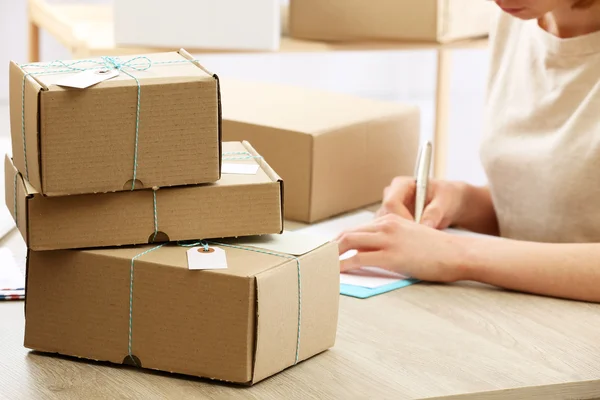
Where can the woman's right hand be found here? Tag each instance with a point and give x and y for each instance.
(443, 205)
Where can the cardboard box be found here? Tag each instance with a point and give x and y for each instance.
(335, 152)
(199, 24)
(236, 205)
(409, 20)
(76, 141)
(262, 314)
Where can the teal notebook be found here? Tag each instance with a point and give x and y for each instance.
(362, 292)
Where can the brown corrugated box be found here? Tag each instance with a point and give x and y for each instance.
(410, 20)
(262, 314)
(83, 140)
(236, 205)
(335, 152)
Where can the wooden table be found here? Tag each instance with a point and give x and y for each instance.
(86, 30)
(463, 341)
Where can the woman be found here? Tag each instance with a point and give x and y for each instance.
(541, 153)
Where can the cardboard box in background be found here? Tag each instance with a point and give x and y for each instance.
(198, 24)
(335, 152)
(241, 324)
(83, 140)
(409, 20)
(236, 205)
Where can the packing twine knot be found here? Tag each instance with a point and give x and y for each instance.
(200, 243)
(116, 63)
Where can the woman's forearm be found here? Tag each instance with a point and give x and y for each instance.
(477, 210)
(558, 270)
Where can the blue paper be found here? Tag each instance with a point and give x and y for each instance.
(362, 292)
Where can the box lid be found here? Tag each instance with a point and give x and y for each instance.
(315, 111)
(153, 68)
(236, 205)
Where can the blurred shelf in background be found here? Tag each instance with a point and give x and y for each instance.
(87, 30)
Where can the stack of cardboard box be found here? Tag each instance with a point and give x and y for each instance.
(118, 176)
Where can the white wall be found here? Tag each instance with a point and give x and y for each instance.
(13, 38)
(394, 76)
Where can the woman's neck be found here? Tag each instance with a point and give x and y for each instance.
(566, 22)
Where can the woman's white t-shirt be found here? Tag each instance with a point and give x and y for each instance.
(541, 144)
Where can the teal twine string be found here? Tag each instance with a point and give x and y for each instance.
(236, 153)
(238, 156)
(299, 283)
(241, 158)
(23, 125)
(15, 201)
(137, 130)
(192, 244)
(131, 269)
(116, 63)
(155, 215)
(106, 62)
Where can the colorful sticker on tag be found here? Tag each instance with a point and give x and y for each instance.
(211, 258)
(88, 78)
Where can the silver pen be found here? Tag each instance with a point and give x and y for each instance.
(422, 179)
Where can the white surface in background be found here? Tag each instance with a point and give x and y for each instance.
(11, 277)
(331, 228)
(7, 222)
(198, 24)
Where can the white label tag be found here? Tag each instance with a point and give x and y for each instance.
(243, 169)
(88, 78)
(214, 258)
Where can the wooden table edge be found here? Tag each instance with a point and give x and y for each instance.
(581, 390)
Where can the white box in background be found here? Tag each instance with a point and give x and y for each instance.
(198, 24)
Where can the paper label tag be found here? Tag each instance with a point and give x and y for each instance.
(214, 258)
(88, 78)
(243, 169)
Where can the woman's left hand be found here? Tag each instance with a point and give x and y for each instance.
(403, 246)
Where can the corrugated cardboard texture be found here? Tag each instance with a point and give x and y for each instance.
(335, 152)
(277, 294)
(236, 205)
(236, 325)
(83, 140)
(31, 118)
(417, 20)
